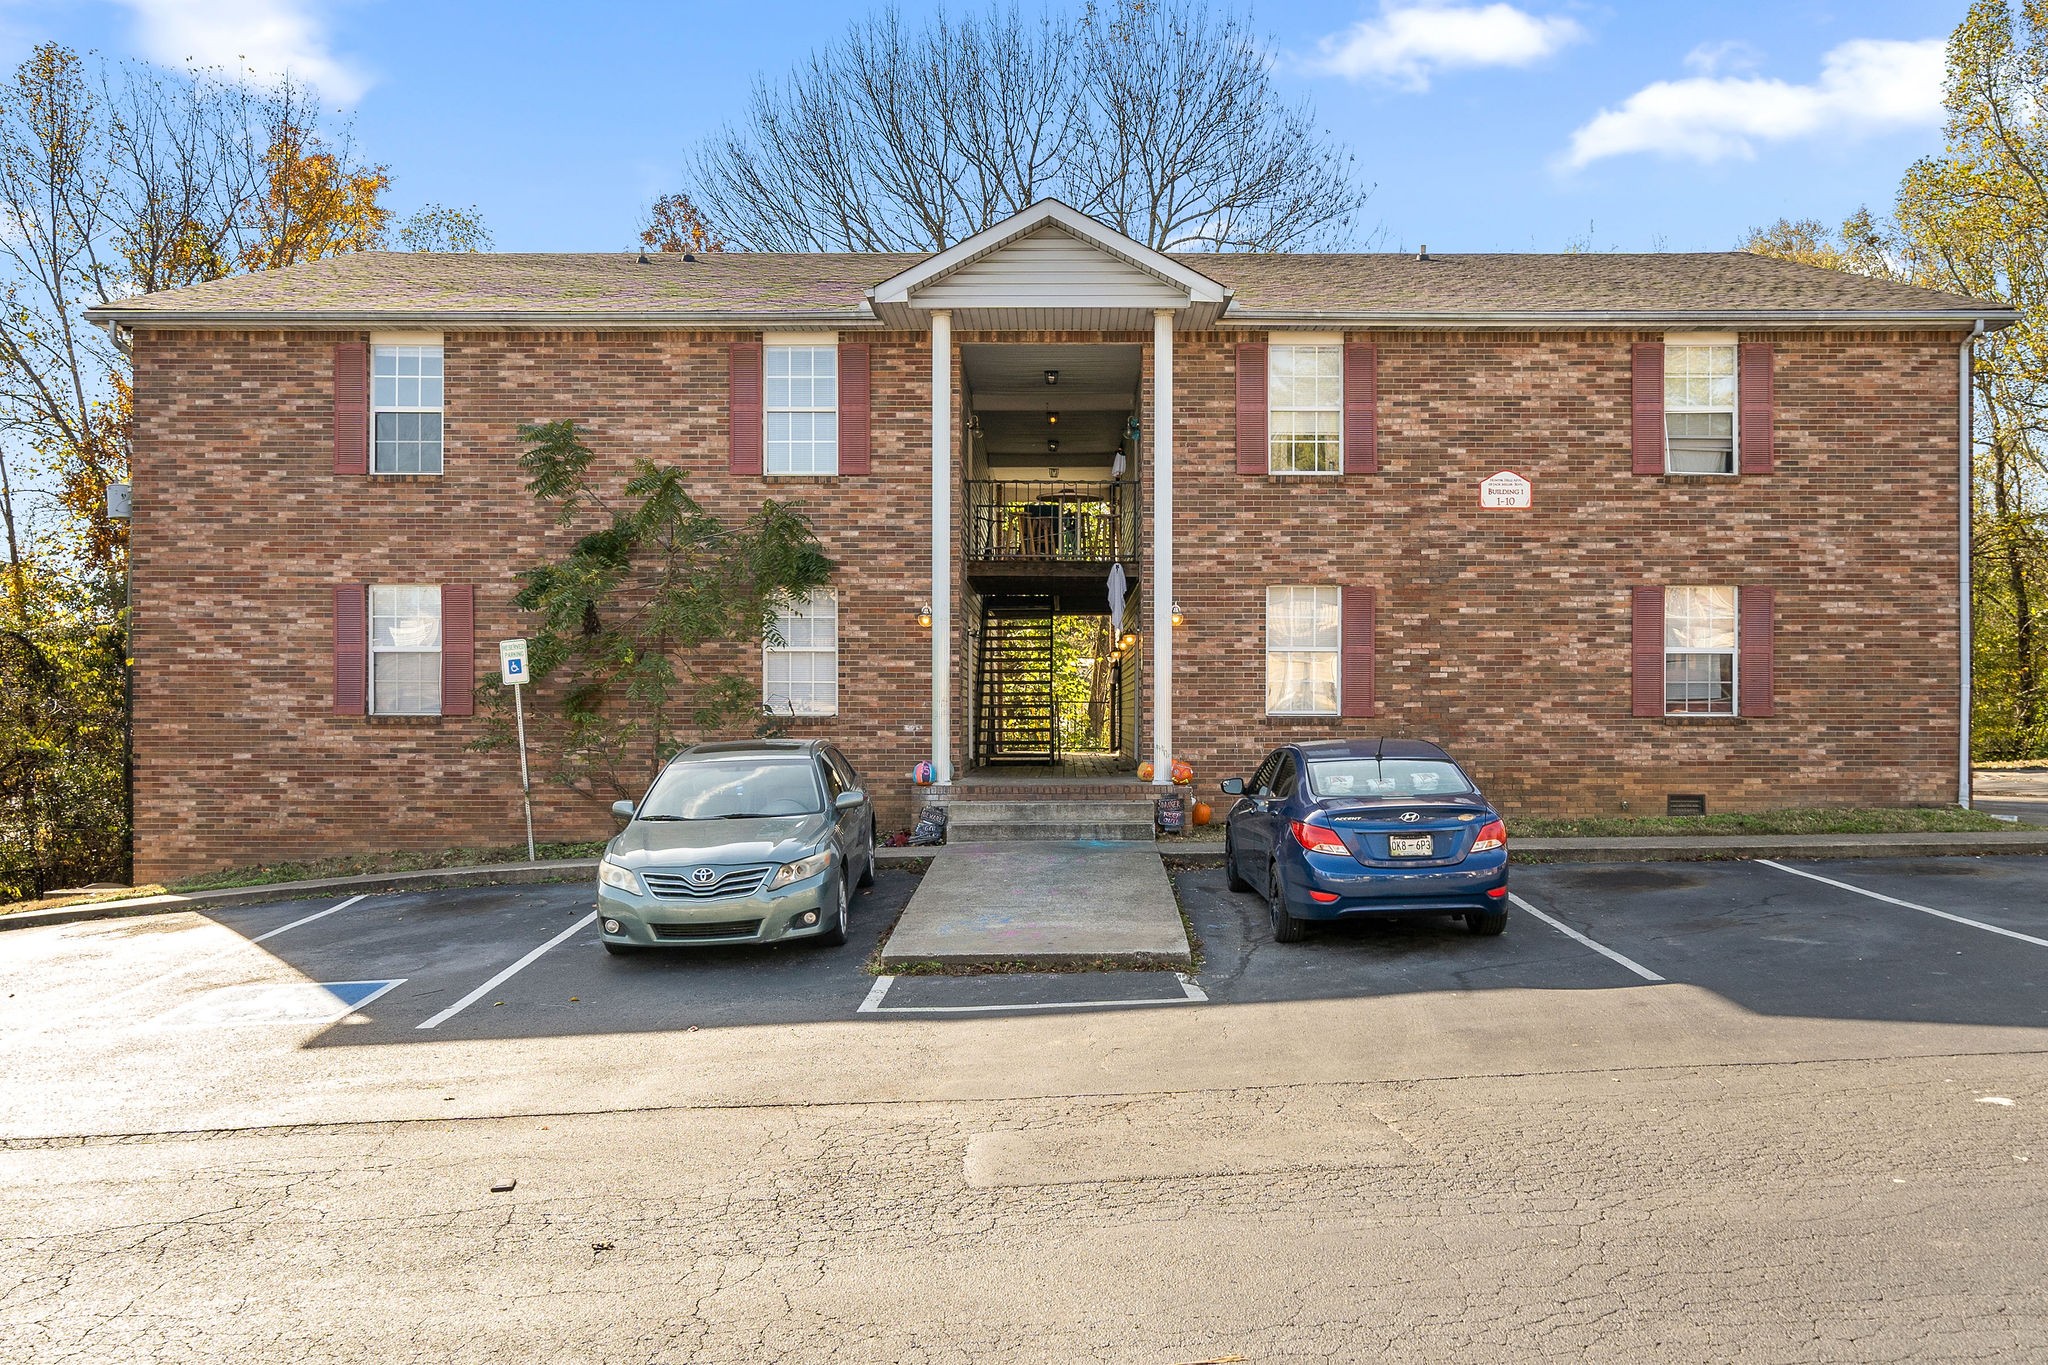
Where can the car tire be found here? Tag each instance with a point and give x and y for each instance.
(1286, 928)
(622, 949)
(835, 927)
(1230, 876)
(867, 864)
(1486, 923)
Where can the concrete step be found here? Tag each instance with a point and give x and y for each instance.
(1008, 821)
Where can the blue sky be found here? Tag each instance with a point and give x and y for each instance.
(1485, 124)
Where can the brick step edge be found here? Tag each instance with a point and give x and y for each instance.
(500, 874)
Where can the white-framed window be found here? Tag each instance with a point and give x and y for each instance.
(1305, 408)
(800, 675)
(1699, 405)
(405, 409)
(1699, 651)
(1303, 633)
(405, 650)
(802, 409)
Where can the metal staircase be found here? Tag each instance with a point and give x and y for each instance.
(1015, 717)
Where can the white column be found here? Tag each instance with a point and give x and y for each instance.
(942, 545)
(1162, 547)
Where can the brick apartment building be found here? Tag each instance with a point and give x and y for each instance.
(1738, 573)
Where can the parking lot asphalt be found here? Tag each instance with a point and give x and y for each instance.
(1949, 941)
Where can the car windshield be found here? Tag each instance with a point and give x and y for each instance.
(1389, 779)
(732, 789)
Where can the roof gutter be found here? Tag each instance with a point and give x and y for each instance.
(1966, 440)
(273, 319)
(1788, 317)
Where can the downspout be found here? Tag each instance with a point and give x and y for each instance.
(1965, 443)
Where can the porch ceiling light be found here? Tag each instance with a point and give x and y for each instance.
(924, 617)
(1178, 617)
(1052, 417)
(1052, 376)
(1052, 445)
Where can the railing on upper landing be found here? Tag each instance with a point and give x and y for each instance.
(1051, 520)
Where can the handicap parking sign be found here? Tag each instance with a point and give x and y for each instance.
(512, 662)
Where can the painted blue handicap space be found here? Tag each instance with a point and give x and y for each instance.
(285, 1002)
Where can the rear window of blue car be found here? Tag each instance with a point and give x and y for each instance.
(1395, 779)
(732, 789)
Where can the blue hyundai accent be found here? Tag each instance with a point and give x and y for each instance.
(1347, 828)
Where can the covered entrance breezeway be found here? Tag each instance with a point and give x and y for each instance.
(1050, 536)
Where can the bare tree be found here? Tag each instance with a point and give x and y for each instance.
(1158, 116)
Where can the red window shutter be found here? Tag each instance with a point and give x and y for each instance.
(1757, 400)
(746, 409)
(458, 650)
(351, 408)
(1361, 410)
(1356, 683)
(351, 649)
(1251, 409)
(854, 425)
(1647, 652)
(1757, 649)
(1648, 390)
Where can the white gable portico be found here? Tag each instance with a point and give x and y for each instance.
(1051, 268)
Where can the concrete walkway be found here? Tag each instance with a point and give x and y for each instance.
(2021, 793)
(1041, 904)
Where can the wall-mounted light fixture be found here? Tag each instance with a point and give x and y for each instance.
(1178, 617)
(1052, 445)
(1052, 376)
(924, 617)
(1052, 419)
(1129, 641)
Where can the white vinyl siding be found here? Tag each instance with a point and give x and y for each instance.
(802, 409)
(1051, 269)
(800, 675)
(405, 651)
(1700, 631)
(405, 409)
(1699, 407)
(1305, 409)
(1304, 628)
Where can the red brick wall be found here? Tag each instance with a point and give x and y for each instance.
(1503, 634)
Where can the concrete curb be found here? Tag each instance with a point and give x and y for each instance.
(499, 874)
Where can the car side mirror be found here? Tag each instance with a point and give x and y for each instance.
(847, 800)
(1233, 786)
(623, 809)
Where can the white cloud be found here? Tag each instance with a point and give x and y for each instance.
(1869, 85)
(268, 38)
(1408, 42)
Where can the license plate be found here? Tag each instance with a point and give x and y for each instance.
(1420, 846)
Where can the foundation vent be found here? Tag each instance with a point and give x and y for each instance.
(1678, 804)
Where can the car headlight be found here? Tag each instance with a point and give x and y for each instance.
(610, 873)
(801, 868)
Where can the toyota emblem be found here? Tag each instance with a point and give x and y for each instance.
(703, 876)
(1410, 816)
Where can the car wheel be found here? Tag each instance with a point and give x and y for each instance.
(1230, 877)
(867, 864)
(836, 917)
(1486, 923)
(622, 949)
(1286, 928)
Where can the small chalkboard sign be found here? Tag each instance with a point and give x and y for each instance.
(1173, 812)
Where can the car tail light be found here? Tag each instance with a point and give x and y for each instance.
(1498, 892)
(1492, 834)
(1317, 839)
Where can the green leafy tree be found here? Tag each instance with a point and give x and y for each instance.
(641, 630)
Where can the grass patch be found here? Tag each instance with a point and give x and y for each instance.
(1872, 820)
(366, 864)
(88, 898)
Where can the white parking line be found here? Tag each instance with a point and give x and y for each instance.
(1638, 968)
(502, 977)
(1909, 905)
(1191, 994)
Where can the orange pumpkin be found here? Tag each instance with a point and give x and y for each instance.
(1182, 773)
(1202, 812)
(1144, 772)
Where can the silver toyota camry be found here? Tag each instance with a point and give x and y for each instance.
(750, 842)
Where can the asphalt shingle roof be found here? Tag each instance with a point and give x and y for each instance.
(771, 284)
